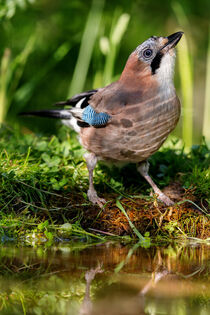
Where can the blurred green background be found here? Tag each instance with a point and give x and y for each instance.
(52, 49)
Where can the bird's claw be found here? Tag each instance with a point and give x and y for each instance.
(93, 197)
(162, 197)
(90, 274)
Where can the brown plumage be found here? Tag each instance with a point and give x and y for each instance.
(137, 128)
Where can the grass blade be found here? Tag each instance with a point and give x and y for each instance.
(10, 74)
(114, 43)
(126, 260)
(4, 70)
(186, 78)
(138, 234)
(206, 122)
(86, 48)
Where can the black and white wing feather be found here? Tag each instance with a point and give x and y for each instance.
(79, 115)
(81, 98)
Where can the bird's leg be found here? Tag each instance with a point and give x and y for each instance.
(91, 161)
(143, 169)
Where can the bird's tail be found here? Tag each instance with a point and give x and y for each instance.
(52, 113)
(69, 119)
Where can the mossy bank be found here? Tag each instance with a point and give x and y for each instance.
(43, 184)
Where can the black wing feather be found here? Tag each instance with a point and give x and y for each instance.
(76, 98)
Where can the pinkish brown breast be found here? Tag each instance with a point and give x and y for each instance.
(136, 132)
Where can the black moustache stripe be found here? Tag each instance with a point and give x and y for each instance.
(155, 64)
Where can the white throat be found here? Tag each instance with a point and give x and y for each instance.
(165, 72)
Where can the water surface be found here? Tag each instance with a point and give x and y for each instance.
(109, 278)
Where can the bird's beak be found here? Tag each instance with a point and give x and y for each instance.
(172, 41)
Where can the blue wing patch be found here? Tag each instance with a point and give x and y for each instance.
(94, 119)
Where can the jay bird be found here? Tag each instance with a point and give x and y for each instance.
(128, 120)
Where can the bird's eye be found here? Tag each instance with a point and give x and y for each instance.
(147, 53)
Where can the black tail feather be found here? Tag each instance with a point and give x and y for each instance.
(61, 114)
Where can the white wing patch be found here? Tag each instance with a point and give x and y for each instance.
(79, 104)
(72, 122)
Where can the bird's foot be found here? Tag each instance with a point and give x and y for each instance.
(162, 197)
(93, 197)
(90, 274)
(143, 169)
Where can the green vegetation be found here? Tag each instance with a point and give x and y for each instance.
(48, 52)
(50, 233)
(43, 184)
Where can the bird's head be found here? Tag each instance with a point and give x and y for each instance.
(154, 58)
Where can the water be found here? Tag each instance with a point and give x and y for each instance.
(110, 278)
